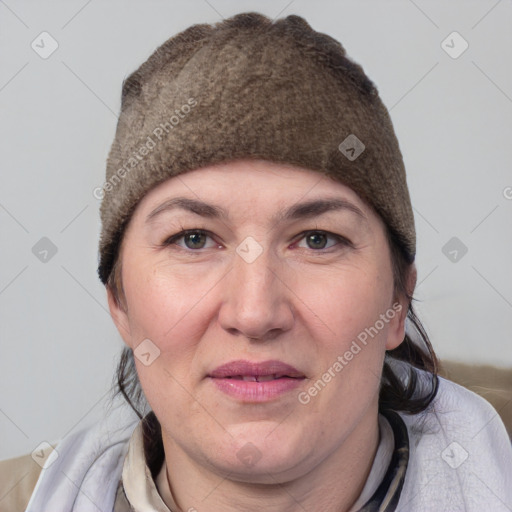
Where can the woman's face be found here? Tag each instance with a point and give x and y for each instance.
(260, 336)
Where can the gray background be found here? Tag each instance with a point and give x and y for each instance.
(58, 117)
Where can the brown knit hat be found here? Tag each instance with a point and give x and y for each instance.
(248, 87)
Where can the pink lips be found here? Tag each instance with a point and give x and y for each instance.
(256, 382)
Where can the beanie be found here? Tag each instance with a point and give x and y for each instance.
(248, 87)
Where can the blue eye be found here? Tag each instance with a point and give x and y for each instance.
(196, 239)
(193, 239)
(317, 240)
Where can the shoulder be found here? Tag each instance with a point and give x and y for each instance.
(85, 465)
(460, 454)
(460, 415)
(492, 383)
(18, 478)
(458, 406)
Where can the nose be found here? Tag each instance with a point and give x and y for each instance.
(258, 303)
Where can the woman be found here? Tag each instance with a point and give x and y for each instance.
(258, 249)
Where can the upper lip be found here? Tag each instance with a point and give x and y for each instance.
(254, 369)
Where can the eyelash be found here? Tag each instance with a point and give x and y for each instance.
(174, 238)
(344, 242)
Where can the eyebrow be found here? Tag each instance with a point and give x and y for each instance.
(303, 210)
(192, 205)
(316, 207)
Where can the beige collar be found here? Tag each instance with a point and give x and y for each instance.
(139, 487)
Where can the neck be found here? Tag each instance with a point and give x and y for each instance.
(333, 485)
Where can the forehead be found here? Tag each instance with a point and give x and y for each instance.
(250, 188)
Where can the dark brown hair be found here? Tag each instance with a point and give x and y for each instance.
(410, 393)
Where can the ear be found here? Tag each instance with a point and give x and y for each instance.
(396, 332)
(120, 317)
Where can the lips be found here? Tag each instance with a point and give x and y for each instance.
(258, 378)
(256, 372)
(252, 382)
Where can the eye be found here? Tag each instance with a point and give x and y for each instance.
(192, 238)
(317, 240)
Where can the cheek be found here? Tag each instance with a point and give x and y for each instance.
(166, 307)
(350, 301)
(161, 299)
(350, 339)
(170, 307)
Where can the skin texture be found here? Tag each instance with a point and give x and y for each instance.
(302, 301)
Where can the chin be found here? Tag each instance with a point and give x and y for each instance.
(257, 453)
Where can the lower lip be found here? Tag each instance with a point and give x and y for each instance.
(256, 391)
